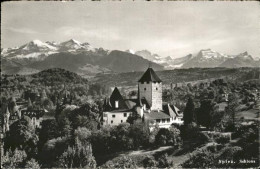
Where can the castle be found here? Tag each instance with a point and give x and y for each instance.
(148, 105)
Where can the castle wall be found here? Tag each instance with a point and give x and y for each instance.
(145, 90)
(115, 118)
(153, 94)
(156, 96)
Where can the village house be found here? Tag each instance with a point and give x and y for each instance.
(148, 105)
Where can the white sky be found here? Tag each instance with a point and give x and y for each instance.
(166, 28)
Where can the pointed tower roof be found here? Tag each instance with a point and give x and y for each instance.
(150, 76)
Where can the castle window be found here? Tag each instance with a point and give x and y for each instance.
(144, 88)
(116, 104)
(156, 88)
(121, 121)
(168, 120)
(125, 114)
(113, 116)
(163, 120)
(111, 121)
(158, 120)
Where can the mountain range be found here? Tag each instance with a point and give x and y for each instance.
(204, 58)
(72, 55)
(86, 60)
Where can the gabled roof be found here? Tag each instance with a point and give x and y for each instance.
(150, 76)
(116, 96)
(153, 115)
(172, 110)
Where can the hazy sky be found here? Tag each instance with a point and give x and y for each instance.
(167, 28)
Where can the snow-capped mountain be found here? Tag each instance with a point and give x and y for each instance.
(39, 50)
(130, 51)
(34, 50)
(206, 58)
(72, 55)
(73, 45)
(241, 60)
(164, 61)
(84, 59)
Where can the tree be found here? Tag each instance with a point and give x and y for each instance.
(189, 112)
(23, 130)
(232, 106)
(120, 139)
(52, 150)
(133, 117)
(121, 162)
(161, 139)
(139, 131)
(163, 161)
(47, 103)
(86, 116)
(32, 164)
(100, 140)
(13, 159)
(82, 135)
(204, 114)
(49, 130)
(201, 159)
(149, 162)
(77, 157)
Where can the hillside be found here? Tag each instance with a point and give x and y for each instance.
(49, 77)
(56, 75)
(179, 75)
(119, 61)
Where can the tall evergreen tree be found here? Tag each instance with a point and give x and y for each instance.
(232, 105)
(204, 114)
(189, 112)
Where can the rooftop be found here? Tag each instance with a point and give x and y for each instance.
(153, 115)
(150, 76)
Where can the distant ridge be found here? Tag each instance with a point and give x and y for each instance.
(86, 60)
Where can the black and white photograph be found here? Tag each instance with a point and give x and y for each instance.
(130, 84)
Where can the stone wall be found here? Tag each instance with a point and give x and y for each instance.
(156, 96)
(145, 90)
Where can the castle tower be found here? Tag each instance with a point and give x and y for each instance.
(150, 88)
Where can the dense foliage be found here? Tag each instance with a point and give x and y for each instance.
(71, 134)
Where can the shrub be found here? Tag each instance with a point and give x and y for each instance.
(222, 139)
(149, 161)
(163, 161)
(121, 162)
(32, 164)
(200, 159)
